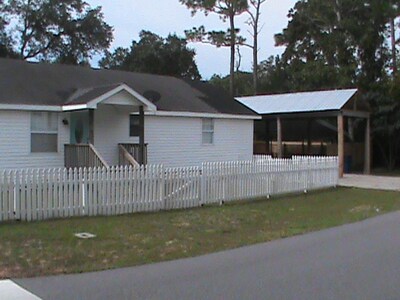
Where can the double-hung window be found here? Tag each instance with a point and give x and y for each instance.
(134, 125)
(208, 131)
(44, 132)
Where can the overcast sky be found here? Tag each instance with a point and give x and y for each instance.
(129, 17)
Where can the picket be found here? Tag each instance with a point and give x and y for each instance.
(31, 195)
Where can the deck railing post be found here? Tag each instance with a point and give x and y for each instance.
(141, 135)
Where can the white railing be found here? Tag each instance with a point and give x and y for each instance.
(30, 195)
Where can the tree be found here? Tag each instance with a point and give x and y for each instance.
(156, 55)
(254, 22)
(278, 76)
(344, 34)
(227, 10)
(5, 44)
(394, 11)
(67, 31)
(385, 102)
(243, 83)
(115, 60)
(346, 43)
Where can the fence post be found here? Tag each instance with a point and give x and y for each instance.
(202, 185)
(84, 189)
(163, 196)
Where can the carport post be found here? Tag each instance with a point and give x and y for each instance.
(279, 137)
(340, 125)
(367, 152)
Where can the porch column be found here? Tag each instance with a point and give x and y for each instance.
(367, 152)
(279, 137)
(91, 126)
(340, 125)
(141, 135)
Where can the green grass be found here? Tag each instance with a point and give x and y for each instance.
(42, 248)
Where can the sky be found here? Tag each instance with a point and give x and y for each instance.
(129, 17)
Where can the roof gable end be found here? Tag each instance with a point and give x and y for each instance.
(92, 97)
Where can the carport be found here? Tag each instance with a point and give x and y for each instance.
(335, 122)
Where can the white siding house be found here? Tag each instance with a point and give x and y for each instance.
(164, 136)
(233, 140)
(15, 142)
(81, 117)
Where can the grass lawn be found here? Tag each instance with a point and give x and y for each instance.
(42, 248)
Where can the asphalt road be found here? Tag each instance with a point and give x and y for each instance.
(357, 261)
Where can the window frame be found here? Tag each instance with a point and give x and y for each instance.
(44, 131)
(132, 116)
(208, 131)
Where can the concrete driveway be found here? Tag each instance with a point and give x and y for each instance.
(371, 182)
(357, 261)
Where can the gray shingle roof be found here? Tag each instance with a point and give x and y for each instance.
(51, 84)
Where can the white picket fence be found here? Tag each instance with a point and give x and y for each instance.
(30, 195)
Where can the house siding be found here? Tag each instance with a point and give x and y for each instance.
(172, 141)
(177, 141)
(15, 142)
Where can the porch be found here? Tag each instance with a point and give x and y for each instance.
(107, 131)
(86, 155)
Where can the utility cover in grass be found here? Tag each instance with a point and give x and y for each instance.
(85, 235)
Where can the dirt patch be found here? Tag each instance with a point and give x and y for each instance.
(361, 208)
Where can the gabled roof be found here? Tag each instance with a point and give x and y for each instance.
(84, 95)
(299, 102)
(28, 84)
(90, 98)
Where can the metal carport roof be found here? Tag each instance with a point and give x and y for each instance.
(298, 102)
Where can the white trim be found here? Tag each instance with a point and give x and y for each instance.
(66, 108)
(123, 87)
(47, 132)
(199, 115)
(30, 107)
(44, 132)
(74, 107)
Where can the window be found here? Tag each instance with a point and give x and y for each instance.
(208, 131)
(134, 125)
(44, 128)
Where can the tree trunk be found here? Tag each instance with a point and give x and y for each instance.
(232, 66)
(393, 44)
(338, 14)
(255, 60)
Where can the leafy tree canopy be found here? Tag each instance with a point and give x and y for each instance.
(5, 47)
(384, 99)
(343, 34)
(227, 11)
(156, 55)
(243, 83)
(68, 31)
(224, 8)
(342, 43)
